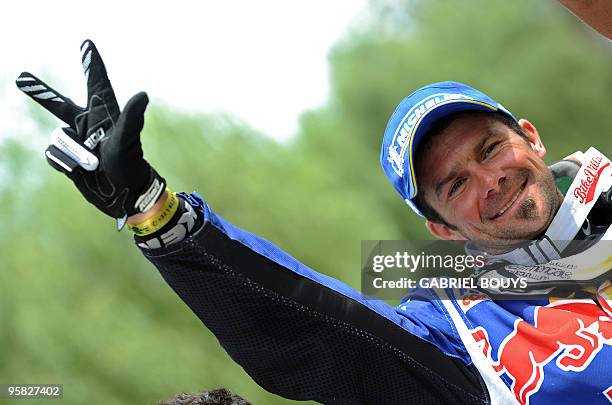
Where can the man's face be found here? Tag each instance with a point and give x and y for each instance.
(488, 182)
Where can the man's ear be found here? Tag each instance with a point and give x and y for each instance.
(443, 232)
(533, 137)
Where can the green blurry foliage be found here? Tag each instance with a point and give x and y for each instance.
(82, 307)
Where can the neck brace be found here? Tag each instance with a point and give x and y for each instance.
(553, 261)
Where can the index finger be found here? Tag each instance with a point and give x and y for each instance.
(52, 100)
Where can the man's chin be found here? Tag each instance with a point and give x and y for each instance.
(530, 220)
(508, 235)
(526, 221)
(524, 229)
(511, 238)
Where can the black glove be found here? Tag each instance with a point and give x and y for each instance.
(100, 151)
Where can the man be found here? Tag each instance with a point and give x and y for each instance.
(461, 160)
(303, 335)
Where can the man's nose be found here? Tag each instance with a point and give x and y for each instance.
(489, 180)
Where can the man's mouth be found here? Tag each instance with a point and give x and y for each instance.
(510, 203)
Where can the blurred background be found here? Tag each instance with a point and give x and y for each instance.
(274, 112)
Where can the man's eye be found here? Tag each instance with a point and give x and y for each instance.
(455, 187)
(489, 150)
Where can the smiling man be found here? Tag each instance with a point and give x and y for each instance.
(476, 173)
(483, 176)
(492, 180)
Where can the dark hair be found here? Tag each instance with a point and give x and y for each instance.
(419, 200)
(220, 396)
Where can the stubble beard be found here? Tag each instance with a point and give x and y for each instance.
(506, 239)
(528, 210)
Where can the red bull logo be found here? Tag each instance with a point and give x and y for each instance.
(572, 333)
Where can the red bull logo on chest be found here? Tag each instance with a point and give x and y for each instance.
(570, 333)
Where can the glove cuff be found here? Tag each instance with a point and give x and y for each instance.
(138, 203)
(153, 191)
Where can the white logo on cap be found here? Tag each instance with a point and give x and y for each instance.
(405, 130)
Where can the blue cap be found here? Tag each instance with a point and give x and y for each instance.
(413, 118)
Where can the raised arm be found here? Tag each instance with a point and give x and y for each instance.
(595, 13)
(298, 333)
(301, 334)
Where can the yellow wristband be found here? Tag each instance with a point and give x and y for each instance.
(157, 222)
